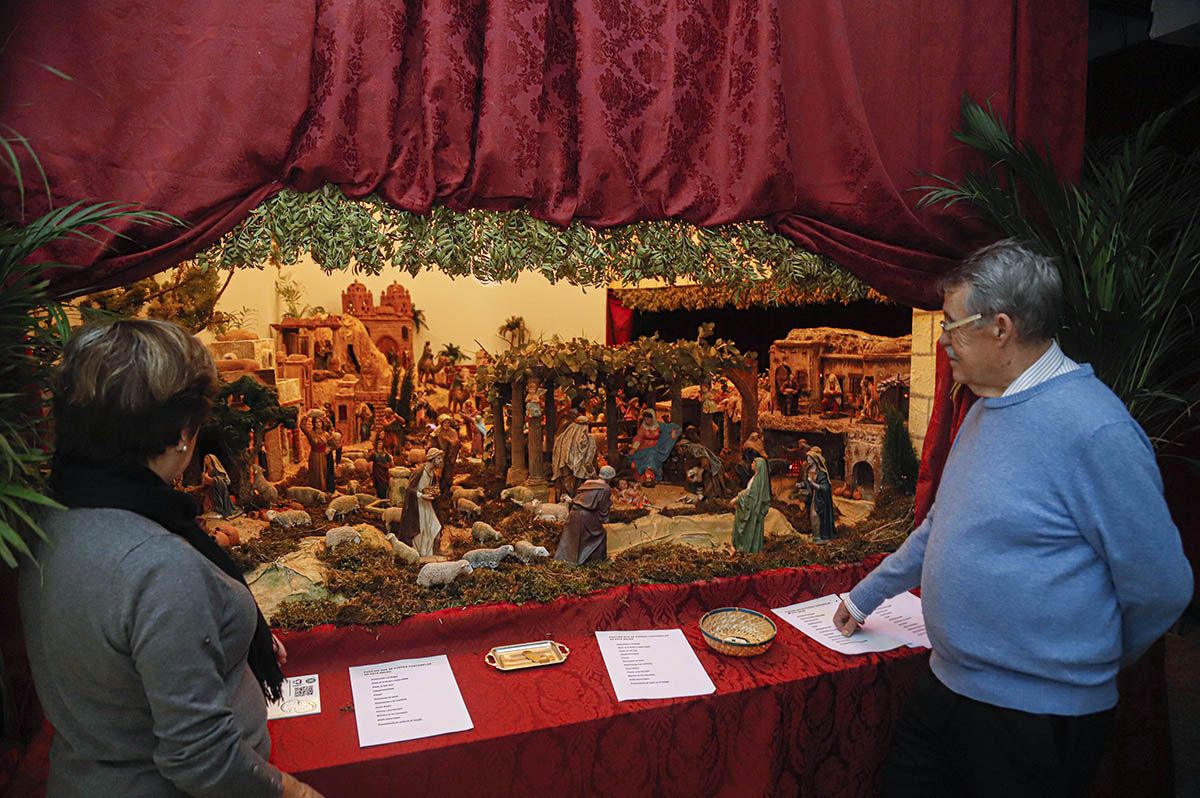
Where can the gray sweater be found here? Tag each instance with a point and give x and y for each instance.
(138, 646)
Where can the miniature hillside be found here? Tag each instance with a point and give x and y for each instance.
(300, 582)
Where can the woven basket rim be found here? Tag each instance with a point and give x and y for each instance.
(735, 643)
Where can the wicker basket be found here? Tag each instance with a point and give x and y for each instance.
(737, 632)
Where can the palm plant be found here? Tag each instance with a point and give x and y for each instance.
(33, 329)
(1127, 241)
(452, 353)
(514, 331)
(419, 320)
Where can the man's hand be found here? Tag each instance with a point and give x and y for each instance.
(844, 621)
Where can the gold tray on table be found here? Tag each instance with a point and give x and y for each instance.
(527, 655)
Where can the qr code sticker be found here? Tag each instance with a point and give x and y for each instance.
(302, 690)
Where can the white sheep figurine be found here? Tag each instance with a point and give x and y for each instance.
(518, 494)
(468, 509)
(352, 487)
(341, 534)
(459, 492)
(391, 515)
(482, 532)
(442, 573)
(404, 552)
(341, 508)
(543, 511)
(365, 499)
(487, 558)
(289, 519)
(528, 553)
(306, 495)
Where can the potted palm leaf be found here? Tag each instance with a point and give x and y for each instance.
(1127, 240)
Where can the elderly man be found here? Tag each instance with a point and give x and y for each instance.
(1047, 563)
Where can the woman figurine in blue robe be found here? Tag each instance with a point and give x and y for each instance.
(653, 442)
(820, 495)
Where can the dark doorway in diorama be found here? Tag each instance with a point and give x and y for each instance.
(864, 479)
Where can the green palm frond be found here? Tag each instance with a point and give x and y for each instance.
(1127, 240)
(33, 329)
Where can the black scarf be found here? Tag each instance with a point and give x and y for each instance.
(139, 490)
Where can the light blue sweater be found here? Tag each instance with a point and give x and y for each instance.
(1049, 559)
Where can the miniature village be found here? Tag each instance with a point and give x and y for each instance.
(358, 481)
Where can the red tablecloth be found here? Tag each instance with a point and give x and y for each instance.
(797, 719)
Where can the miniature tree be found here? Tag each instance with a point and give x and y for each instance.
(243, 413)
(900, 462)
(403, 404)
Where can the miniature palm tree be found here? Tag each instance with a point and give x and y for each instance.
(514, 331)
(452, 353)
(418, 318)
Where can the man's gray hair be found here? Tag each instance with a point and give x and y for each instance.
(1008, 277)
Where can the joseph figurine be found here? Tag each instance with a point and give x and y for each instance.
(584, 539)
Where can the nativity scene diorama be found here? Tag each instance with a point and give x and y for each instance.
(344, 437)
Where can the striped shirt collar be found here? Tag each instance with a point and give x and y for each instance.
(1052, 363)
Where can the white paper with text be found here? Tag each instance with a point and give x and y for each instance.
(901, 617)
(407, 699)
(815, 619)
(653, 663)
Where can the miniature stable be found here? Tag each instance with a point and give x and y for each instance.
(368, 484)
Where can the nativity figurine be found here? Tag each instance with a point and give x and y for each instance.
(215, 480)
(419, 524)
(652, 446)
(584, 539)
(820, 495)
(573, 458)
(751, 505)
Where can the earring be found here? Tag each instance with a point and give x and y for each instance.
(183, 448)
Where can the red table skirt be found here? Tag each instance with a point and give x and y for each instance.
(797, 720)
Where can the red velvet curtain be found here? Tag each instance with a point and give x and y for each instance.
(815, 114)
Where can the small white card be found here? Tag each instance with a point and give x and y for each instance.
(301, 696)
(654, 663)
(815, 619)
(901, 617)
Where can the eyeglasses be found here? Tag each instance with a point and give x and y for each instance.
(954, 325)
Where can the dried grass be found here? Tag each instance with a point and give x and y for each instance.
(379, 591)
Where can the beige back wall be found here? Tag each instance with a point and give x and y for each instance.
(458, 311)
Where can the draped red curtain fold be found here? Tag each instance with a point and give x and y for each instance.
(817, 115)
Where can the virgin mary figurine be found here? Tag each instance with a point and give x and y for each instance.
(751, 505)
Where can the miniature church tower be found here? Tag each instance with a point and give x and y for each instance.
(390, 324)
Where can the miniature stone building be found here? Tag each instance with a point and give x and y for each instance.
(853, 446)
(390, 323)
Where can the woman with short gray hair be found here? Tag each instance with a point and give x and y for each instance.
(148, 651)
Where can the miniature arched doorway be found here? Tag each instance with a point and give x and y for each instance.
(387, 344)
(864, 477)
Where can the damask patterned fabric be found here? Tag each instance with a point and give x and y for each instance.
(797, 720)
(816, 115)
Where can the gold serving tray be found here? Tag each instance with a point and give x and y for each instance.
(527, 655)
